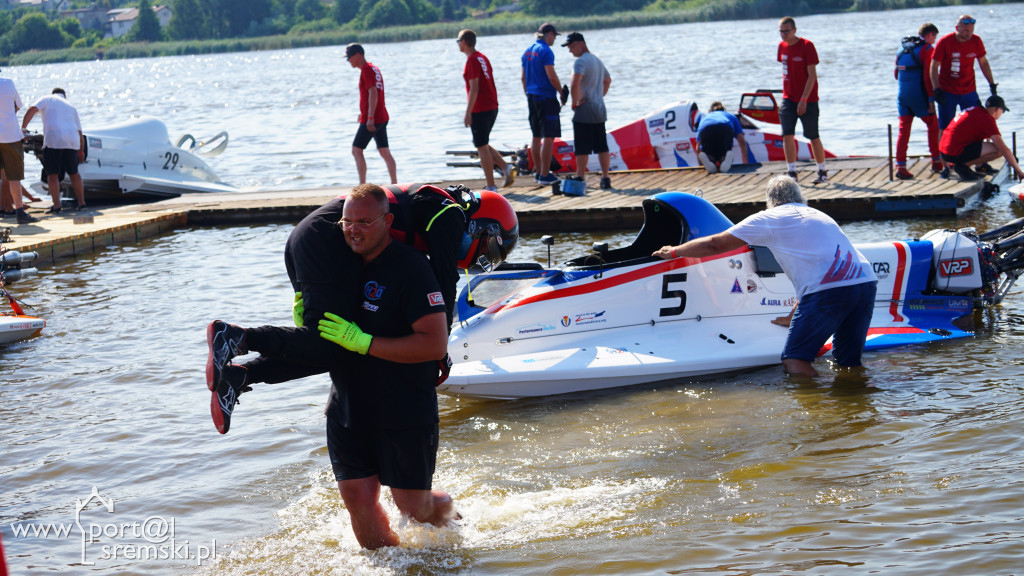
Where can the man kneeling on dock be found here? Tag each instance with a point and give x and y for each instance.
(973, 138)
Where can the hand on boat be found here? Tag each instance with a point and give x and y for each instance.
(346, 334)
(665, 252)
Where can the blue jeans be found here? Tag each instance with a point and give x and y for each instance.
(844, 313)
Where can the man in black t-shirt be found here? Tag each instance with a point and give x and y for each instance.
(382, 417)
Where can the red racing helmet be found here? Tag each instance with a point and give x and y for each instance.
(492, 229)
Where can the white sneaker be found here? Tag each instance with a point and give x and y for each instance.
(509, 176)
(726, 162)
(491, 188)
(708, 164)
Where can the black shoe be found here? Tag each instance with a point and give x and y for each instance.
(81, 208)
(222, 402)
(986, 169)
(24, 217)
(606, 183)
(225, 342)
(53, 210)
(821, 178)
(791, 174)
(945, 173)
(965, 173)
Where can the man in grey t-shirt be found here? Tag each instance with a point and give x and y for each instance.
(590, 82)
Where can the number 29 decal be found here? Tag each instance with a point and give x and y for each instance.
(170, 160)
(673, 294)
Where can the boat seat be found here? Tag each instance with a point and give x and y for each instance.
(765, 264)
(663, 226)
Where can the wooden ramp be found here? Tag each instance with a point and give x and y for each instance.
(859, 188)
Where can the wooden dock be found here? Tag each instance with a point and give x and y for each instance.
(858, 188)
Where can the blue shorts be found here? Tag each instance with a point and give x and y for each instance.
(379, 135)
(912, 103)
(843, 313)
(947, 111)
(788, 118)
(544, 119)
(402, 458)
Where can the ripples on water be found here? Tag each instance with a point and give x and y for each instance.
(911, 469)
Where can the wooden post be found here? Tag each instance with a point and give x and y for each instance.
(890, 151)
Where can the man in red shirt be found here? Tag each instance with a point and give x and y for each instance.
(952, 70)
(973, 138)
(373, 115)
(799, 96)
(482, 109)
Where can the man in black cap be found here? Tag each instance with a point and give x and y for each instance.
(373, 115)
(542, 86)
(973, 138)
(590, 82)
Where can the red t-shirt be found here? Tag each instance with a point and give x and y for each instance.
(795, 60)
(972, 125)
(370, 77)
(478, 66)
(956, 63)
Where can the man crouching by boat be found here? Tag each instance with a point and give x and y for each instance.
(834, 282)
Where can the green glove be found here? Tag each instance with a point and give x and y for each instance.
(344, 333)
(298, 309)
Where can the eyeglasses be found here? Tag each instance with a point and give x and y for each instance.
(786, 30)
(968, 21)
(363, 224)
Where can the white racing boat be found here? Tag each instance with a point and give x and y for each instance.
(16, 325)
(135, 160)
(621, 317)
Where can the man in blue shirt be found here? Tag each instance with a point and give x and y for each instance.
(715, 134)
(542, 86)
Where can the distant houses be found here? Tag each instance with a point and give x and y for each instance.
(113, 23)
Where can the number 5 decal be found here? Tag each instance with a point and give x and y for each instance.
(666, 293)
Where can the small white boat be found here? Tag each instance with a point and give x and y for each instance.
(135, 160)
(621, 317)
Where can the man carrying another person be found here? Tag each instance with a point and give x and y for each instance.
(715, 133)
(542, 86)
(834, 282)
(62, 144)
(590, 82)
(482, 109)
(973, 138)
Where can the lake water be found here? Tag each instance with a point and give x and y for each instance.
(914, 469)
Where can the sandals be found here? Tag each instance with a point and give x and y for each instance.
(53, 210)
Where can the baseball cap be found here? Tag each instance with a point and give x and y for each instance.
(573, 37)
(996, 102)
(547, 27)
(353, 49)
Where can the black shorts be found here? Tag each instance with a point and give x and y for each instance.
(544, 119)
(788, 118)
(589, 138)
(379, 135)
(716, 141)
(402, 458)
(970, 153)
(60, 161)
(480, 125)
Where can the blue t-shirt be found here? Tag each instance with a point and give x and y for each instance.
(535, 60)
(719, 117)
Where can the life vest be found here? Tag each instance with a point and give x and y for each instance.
(400, 196)
(909, 69)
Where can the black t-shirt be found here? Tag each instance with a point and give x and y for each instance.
(399, 288)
